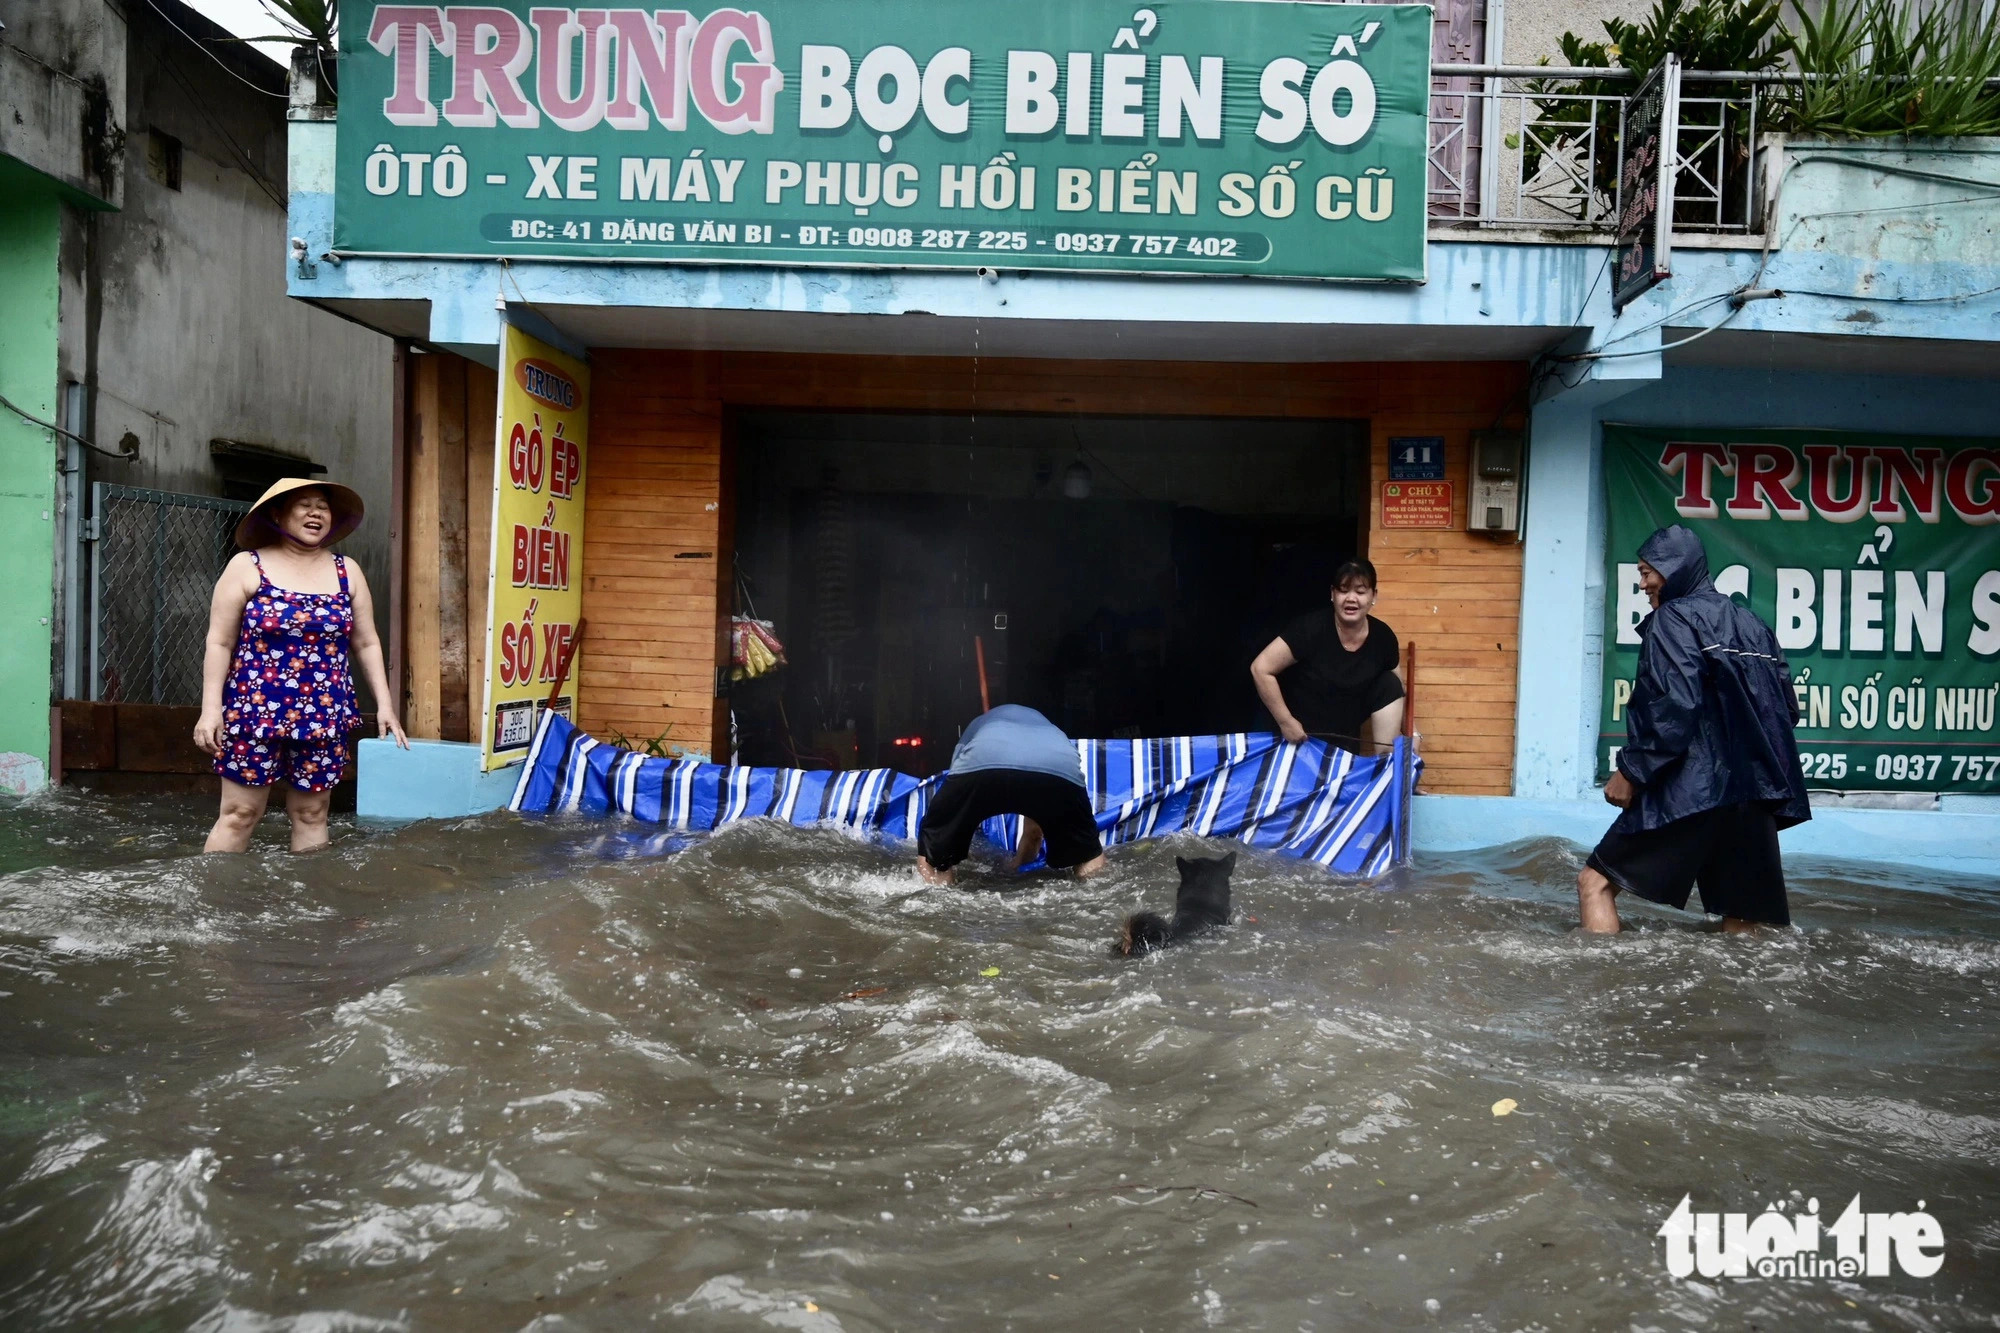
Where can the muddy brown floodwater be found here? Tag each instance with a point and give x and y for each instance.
(496, 1075)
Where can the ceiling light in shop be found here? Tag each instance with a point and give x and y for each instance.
(1076, 480)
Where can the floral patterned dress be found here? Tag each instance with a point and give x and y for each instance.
(289, 702)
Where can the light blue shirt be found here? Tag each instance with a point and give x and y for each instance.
(1012, 736)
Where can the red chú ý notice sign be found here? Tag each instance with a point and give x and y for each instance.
(1416, 504)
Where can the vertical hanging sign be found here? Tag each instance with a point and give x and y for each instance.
(536, 593)
(1647, 156)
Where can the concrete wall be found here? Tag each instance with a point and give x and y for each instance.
(1928, 202)
(177, 311)
(162, 293)
(1534, 28)
(62, 66)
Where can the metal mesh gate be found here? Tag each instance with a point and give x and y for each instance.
(158, 555)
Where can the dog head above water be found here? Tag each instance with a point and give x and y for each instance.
(1203, 901)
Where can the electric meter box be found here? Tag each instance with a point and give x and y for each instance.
(1494, 501)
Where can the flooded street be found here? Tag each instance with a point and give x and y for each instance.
(479, 1075)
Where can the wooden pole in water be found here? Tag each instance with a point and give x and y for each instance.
(1410, 690)
(979, 651)
(562, 672)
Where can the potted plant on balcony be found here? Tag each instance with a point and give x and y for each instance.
(1871, 69)
(1879, 67)
(312, 26)
(1572, 132)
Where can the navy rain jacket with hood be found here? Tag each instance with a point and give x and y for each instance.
(1712, 713)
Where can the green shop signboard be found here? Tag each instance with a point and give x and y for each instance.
(1876, 558)
(1203, 136)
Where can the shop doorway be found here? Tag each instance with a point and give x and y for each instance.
(1117, 573)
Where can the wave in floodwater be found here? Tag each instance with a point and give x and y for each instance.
(496, 1074)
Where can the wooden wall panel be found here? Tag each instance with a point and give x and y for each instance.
(482, 407)
(438, 570)
(453, 565)
(659, 531)
(422, 571)
(1457, 596)
(653, 544)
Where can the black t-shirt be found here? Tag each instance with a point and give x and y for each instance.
(1330, 690)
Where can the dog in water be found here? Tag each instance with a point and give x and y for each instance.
(1203, 902)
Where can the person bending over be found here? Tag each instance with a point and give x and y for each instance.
(1011, 761)
(1710, 767)
(1342, 669)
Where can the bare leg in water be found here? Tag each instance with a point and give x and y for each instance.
(242, 807)
(1595, 900)
(1031, 847)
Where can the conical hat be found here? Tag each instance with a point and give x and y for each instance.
(259, 527)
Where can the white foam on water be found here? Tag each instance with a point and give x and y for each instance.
(382, 1014)
(1097, 1015)
(228, 1318)
(383, 1237)
(732, 1295)
(1377, 1122)
(659, 1053)
(1920, 1131)
(954, 1043)
(1965, 958)
(570, 1099)
(154, 1240)
(55, 1158)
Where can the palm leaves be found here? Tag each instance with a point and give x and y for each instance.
(307, 22)
(1872, 67)
(1885, 69)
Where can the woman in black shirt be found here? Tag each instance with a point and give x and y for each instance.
(1342, 668)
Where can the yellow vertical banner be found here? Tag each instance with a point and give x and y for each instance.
(536, 591)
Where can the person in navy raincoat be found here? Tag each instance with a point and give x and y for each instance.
(1709, 771)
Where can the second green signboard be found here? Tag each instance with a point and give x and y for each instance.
(1211, 136)
(1872, 557)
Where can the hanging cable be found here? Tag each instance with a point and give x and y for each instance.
(1892, 300)
(34, 420)
(212, 56)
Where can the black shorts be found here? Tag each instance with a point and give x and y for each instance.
(1343, 719)
(966, 800)
(1730, 852)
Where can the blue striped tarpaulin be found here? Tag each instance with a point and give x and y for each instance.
(1310, 800)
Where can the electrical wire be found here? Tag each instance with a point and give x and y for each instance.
(34, 420)
(1892, 300)
(155, 6)
(1547, 366)
(1661, 322)
(1609, 254)
(243, 158)
(1663, 347)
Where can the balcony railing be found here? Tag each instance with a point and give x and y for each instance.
(1510, 146)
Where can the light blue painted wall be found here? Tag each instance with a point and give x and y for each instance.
(1959, 844)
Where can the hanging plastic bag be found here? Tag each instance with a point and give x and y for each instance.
(754, 649)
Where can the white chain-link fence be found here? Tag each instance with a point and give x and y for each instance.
(157, 556)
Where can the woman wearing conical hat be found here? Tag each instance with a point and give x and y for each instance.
(277, 698)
